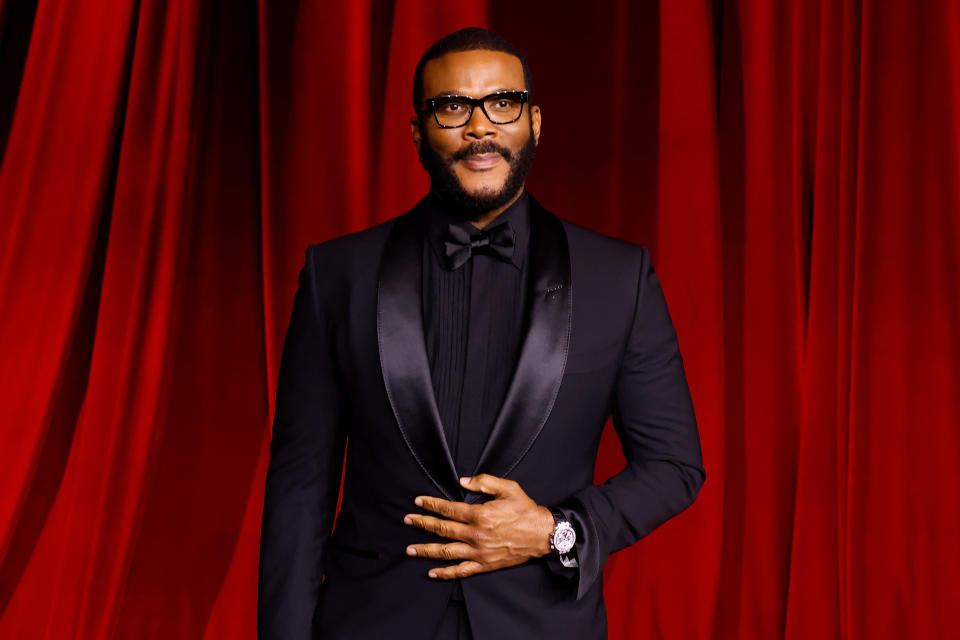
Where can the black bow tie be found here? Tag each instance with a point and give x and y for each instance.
(460, 245)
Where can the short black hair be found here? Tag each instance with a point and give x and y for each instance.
(468, 39)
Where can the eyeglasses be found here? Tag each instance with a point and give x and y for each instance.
(502, 107)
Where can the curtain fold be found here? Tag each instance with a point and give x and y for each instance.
(793, 168)
(51, 207)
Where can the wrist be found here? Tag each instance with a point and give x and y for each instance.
(546, 526)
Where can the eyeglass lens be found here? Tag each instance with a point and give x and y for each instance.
(454, 112)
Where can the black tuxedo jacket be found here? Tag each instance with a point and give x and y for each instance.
(598, 342)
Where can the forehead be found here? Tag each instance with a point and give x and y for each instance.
(473, 73)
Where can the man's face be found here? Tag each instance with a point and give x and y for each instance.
(480, 166)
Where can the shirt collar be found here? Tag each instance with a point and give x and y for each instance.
(518, 214)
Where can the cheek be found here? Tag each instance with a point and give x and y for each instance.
(443, 141)
(519, 137)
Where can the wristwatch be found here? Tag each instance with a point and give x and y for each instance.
(563, 537)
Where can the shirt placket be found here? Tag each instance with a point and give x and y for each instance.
(471, 432)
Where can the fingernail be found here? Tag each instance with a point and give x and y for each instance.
(418, 501)
(411, 551)
(465, 481)
(432, 574)
(407, 520)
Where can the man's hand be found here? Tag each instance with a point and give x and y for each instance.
(506, 531)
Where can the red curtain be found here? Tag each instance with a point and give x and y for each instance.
(793, 166)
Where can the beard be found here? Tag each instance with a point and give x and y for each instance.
(447, 186)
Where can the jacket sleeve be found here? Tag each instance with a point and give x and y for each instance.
(306, 459)
(654, 420)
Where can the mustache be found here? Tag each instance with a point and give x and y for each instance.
(483, 146)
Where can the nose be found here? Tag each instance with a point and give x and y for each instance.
(479, 126)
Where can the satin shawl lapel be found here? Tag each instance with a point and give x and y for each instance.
(403, 354)
(543, 356)
(535, 382)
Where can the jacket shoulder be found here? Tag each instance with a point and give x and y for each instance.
(353, 246)
(597, 241)
(600, 253)
(582, 238)
(341, 263)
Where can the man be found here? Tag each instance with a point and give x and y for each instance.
(471, 351)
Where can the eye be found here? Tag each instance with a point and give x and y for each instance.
(503, 104)
(453, 108)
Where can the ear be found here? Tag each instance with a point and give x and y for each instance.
(535, 118)
(415, 132)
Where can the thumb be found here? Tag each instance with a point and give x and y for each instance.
(486, 483)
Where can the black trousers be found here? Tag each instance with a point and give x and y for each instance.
(455, 624)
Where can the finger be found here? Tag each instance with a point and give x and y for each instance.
(439, 526)
(448, 551)
(462, 570)
(460, 511)
(486, 483)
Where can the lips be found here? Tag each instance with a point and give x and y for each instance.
(481, 161)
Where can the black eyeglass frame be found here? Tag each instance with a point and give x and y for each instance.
(431, 105)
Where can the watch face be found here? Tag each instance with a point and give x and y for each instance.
(564, 538)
